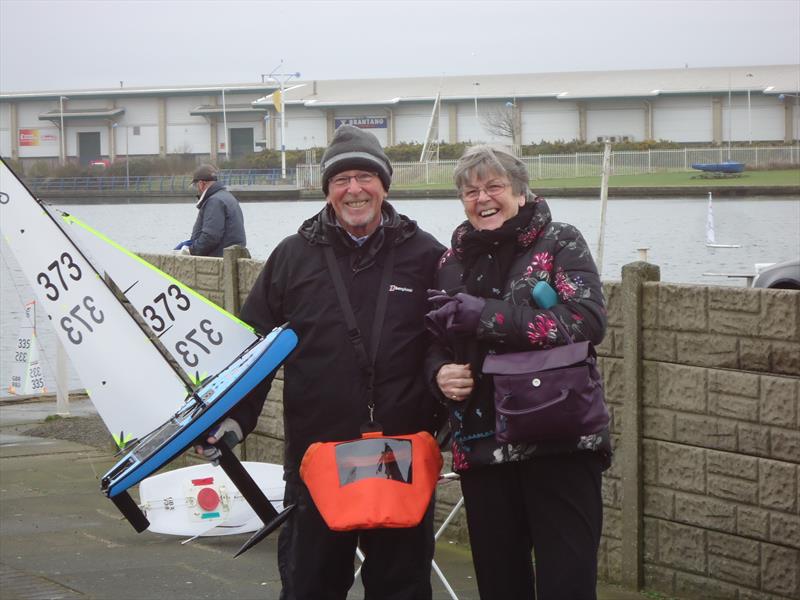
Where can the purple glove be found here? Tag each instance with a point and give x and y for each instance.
(460, 314)
(439, 298)
(438, 320)
(468, 313)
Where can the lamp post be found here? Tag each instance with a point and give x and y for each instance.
(225, 126)
(730, 116)
(282, 79)
(63, 143)
(749, 120)
(476, 84)
(127, 161)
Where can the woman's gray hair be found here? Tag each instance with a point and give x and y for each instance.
(485, 161)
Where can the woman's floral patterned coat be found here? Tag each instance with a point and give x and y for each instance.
(546, 251)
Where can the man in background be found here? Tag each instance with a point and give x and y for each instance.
(219, 222)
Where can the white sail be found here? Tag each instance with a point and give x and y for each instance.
(130, 383)
(26, 372)
(710, 237)
(201, 337)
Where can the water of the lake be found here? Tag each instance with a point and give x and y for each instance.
(673, 229)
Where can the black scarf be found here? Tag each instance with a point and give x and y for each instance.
(487, 255)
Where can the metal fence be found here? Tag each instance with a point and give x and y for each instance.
(415, 174)
(156, 183)
(562, 166)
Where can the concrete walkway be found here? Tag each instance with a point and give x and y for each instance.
(61, 538)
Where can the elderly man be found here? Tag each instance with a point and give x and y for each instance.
(360, 240)
(219, 222)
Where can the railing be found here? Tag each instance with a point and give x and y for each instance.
(558, 166)
(156, 183)
(415, 174)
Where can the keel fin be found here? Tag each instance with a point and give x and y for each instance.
(260, 504)
(131, 511)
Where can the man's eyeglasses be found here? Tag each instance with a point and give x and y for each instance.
(342, 181)
(493, 190)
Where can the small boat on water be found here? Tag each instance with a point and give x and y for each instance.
(711, 237)
(728, 166)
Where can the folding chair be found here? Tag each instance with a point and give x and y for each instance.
(446, 477)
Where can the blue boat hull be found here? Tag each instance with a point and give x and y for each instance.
(218, 396)
(723, 167)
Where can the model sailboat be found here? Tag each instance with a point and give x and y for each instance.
(26, 374)
(162, 377)
(711, 238)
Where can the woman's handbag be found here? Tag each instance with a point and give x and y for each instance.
(547, 394)
(375, 481)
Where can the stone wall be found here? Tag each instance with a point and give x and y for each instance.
(717, 443)
(703, 385)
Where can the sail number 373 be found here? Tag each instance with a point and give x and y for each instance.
(55, 275)
(199, 341)
(56, 280)
(80, 319)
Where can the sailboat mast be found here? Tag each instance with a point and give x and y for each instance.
(710, 236)
(603, 205)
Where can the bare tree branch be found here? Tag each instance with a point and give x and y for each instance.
(500, 122)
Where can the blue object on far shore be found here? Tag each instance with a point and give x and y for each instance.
(728, 166)
(544, 295)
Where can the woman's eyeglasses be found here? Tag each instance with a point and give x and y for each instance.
(342, 181)
(493, 190)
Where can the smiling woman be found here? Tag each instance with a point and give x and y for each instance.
(507, 247)
(492, 192)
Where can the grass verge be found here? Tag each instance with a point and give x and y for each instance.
(783, 177)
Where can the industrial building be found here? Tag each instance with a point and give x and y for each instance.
(693, 106)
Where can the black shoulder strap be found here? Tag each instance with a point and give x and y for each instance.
(366, 361)
(383, 300)
(353, 332)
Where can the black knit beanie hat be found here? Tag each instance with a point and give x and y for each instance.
(355, 148)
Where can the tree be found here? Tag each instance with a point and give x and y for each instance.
(500, 122)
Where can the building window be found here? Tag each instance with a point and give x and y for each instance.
(136, 130)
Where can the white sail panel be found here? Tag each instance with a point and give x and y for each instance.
(26, 372)
(711, 238)
(130, 383)
(201, 337)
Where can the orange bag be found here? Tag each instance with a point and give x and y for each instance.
(372, 482)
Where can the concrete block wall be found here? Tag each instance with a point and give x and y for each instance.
(720, 441)
(717, 459)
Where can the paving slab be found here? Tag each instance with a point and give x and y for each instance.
(60, 537)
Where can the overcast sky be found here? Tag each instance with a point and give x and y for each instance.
(69, 44)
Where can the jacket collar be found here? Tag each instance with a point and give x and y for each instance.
(322, 228)
(210, 191)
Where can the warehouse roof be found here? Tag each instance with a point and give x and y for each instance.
(775, 79)
(767, 79)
